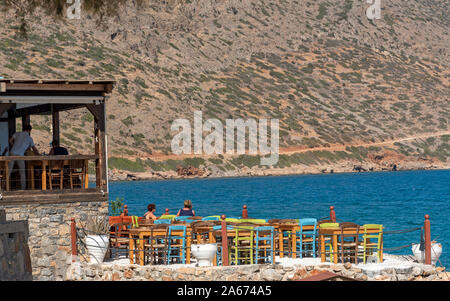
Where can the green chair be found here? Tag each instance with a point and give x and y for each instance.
(328, 238)
(135, 221)
(232, 220)
(241, 250)
(168, 216)
(368, 245)
(253, 220)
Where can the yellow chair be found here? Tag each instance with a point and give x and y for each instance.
(328, 238)
(168, 216)
(242, 247)
(369, 245)
(253, 220)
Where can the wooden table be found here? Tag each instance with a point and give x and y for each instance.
(335, 232)
(145, 232)
(43, 162)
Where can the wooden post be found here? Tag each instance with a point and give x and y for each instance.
(244, 212)
(224, 242)
(55, 124)
(25, 120)
(73, 232)
(125, 210)
(167, 211)
(427, 229)
(332, 214)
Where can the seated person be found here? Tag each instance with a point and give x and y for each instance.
(187, 210)
(150, 214)
(57, 150)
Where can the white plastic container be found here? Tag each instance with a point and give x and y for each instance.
(204, 254)
(97, 246)
(436, 251)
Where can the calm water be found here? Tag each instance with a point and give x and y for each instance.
(398, 200)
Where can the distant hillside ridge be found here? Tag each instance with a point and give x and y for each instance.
(331, 75)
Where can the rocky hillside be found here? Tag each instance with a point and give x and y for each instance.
(349, 92)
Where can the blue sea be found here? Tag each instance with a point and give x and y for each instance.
(398, 200)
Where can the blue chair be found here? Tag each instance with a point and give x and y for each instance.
(162, 221)
(264, 244)
(176, 244)
(185, 219)
(306, 243)
(211, 218)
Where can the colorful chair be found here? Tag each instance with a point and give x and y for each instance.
(176, 244)
(155, 248)
(253, 220)
(168, 216)
(162, 221)
(328, 239)
(264, 244)
(348, 241)
(306, 243)
(135, 221)
(241, 251)
(368, 244)
(211, 218)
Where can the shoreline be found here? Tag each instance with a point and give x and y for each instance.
(127, 176)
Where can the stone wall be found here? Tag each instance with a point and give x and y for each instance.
(49, 232)
(15, 264)
(115, 272)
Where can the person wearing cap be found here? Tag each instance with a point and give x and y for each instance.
(187, 210)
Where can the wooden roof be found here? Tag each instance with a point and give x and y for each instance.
(38, 87)
(40, 96)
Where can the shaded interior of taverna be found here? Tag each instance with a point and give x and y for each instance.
(21, 101)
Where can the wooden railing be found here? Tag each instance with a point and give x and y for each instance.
(44, 164)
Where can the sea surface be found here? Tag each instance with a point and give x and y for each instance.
(398, 200)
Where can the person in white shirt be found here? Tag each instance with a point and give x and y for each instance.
(20, 143)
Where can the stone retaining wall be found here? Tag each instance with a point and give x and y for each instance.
(15, 264)
(114, 272)
(49, 232)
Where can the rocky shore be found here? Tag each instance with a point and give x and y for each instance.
(214, 172)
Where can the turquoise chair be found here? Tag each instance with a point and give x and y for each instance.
(306, 243)
(185, 219)
(211, 218)
(264, 244)
(163, 221)
(176, 244)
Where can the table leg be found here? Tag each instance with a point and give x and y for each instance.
(280, 243)
(294, 244)
(322, 248)
(188, 249)
(381, 249)
(86, 174)
(131, 252)
(32, 176)
(141, 249)
(44, 175)
(335, 247)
